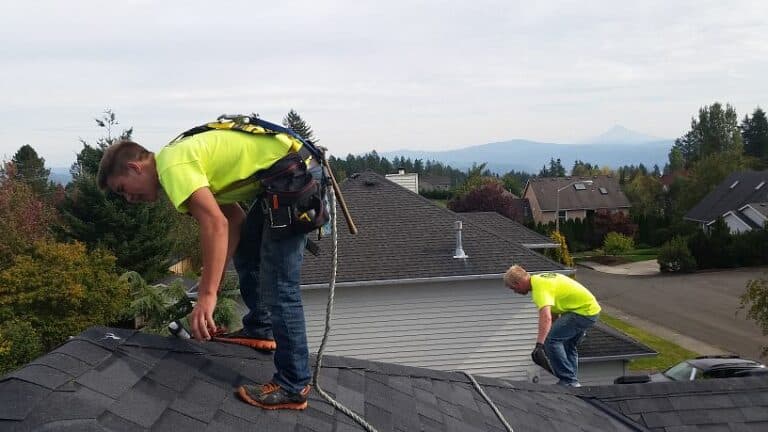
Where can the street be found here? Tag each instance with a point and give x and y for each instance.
(701, 305)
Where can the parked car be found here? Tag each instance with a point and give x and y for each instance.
(703, 367)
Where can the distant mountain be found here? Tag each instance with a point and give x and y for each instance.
(620, 135)
(530, 156)
(60, 175)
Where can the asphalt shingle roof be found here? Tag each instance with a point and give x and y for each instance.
(405, 236)
(507, 228)
(546, 188)
(120, 380)
(603, 342)
(724, 198)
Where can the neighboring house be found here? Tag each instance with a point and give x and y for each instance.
(403, 297)
(740, 199)
(409, 181)
(430, 183)
(578, 199)
(110, 379)
(667, 180)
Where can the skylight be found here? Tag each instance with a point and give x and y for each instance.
(603, 190)
(734, 184)
(579, 186)
(760, 185)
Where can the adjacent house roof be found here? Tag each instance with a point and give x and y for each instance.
(603, 193)
(507, 228)
(119, 380)
(404, 236)
(734, 192)
(605, 343)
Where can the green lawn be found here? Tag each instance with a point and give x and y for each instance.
(631, 256)
(669, 353)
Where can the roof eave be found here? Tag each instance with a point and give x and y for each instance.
(616, 357)
(389, 282)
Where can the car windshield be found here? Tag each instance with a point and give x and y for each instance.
(680, 372)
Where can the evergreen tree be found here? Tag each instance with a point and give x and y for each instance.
(136, 234)
(30, 169)
(294, 122)
(755, 134)
(715, 131)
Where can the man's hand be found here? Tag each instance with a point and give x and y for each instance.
(201, 318)
(539, 356)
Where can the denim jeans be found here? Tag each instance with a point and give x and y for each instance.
(269, 270)
(560, 345)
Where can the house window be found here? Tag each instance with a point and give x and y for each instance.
(562, 216)
(762, 183)
(734, 184)
(579, 186)
(603, 190)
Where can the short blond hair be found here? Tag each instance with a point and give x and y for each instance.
(514, 275)
(115, 160)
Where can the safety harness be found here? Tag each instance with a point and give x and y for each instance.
(294, 200)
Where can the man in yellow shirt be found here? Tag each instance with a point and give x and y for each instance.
(577, 308)
(206, 175)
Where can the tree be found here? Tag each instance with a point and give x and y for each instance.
(294, 122)
(754, 131)
(555, 169)
(136, 234)
(645, 194)
(755, 301)
(489, 196)
(24, 217)
(30, 169)
(62, 289)
(716, 130)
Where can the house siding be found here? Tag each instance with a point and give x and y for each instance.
(736, 225)
(409, 181)
(754, 215)
(478, 327)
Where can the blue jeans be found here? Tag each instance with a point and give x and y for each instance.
(269, 270)
(560, 345)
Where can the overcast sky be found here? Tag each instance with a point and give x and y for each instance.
(375, 75)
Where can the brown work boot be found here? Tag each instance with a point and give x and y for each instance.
(273, 397)
(241, 338)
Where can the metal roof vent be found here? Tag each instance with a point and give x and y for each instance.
(459, 250)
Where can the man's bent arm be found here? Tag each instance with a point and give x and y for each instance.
(213, 238)
(545, 323)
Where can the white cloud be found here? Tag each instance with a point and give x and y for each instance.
(366, 74)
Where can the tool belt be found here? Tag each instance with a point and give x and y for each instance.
(293, 200)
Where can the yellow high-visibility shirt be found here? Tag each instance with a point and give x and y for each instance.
(217, 159)
(562, 294)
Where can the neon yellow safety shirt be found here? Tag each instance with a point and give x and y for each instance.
(563, 294)
(217, 159)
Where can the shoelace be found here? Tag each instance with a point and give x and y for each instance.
(269, 388)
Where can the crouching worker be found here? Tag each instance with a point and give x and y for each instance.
(578, 310)
(206, 174)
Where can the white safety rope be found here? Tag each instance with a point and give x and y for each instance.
(328, 313)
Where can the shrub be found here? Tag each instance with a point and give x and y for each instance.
(61, 289)
(674, 256)
(561, 253)
(155, 305)
(19, 344)
(616, 244)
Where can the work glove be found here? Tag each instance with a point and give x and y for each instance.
(540, 357)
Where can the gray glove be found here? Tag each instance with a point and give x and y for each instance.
(540, 357)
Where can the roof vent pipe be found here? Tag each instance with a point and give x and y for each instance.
(459, 250)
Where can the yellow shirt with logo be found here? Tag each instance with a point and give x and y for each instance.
(563, 294)
(217, 159)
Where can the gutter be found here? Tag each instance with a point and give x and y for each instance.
(391, 282)
(540, 245)
(616, 357)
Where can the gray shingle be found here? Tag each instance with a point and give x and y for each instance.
(18, 398)
(408, 236)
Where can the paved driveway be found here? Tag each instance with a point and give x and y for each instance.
(701, 305)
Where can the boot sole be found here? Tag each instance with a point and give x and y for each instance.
(247, 399)
(257, 344)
